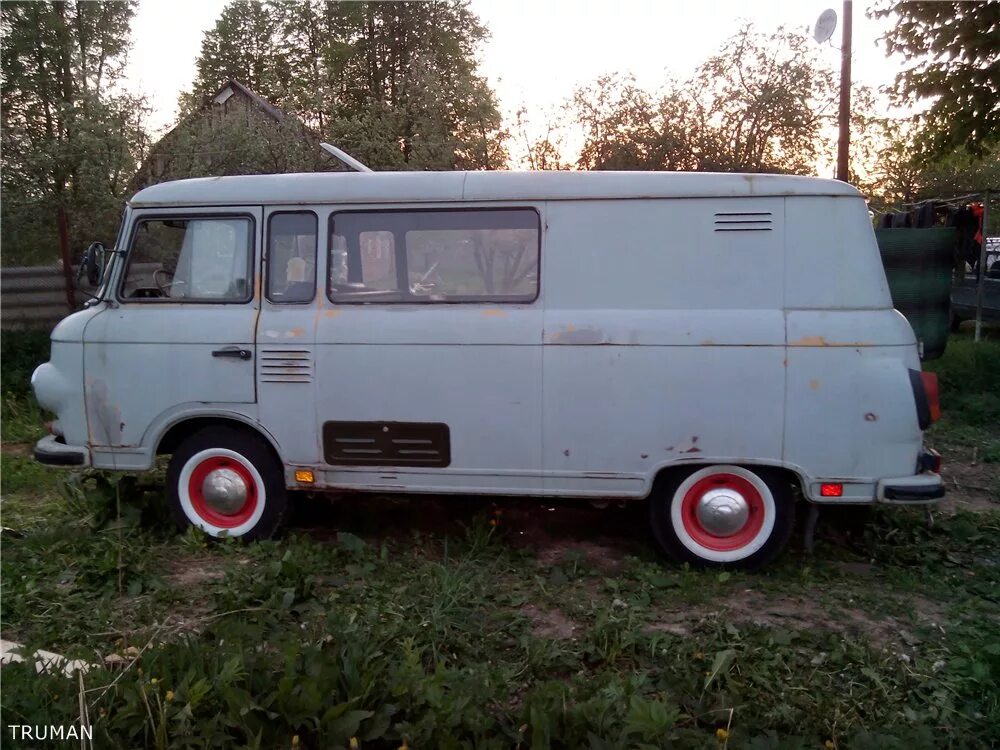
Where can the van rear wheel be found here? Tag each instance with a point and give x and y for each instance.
(227, 483)
(723, 516)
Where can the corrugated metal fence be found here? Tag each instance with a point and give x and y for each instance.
(34, 297)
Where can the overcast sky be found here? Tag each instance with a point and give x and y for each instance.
(540, 50)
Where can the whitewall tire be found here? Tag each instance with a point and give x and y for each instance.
(227, 482)
(723, 515)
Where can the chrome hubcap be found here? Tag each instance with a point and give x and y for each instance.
(224, 491)
(722, 512)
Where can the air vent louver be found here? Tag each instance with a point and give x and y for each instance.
(746, 221)
(285, 366)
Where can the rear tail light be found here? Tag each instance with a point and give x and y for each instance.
(926, 394)
(831, 490)
(930, 381)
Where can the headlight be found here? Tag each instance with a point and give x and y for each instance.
(48, 387)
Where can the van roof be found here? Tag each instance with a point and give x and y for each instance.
(425, 187)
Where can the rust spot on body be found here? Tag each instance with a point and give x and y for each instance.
(581, 337)
(814, 384)
(331, 313)
(821, 341)
(694, 446)
(871, 417)
(809, 341)
(494, 313)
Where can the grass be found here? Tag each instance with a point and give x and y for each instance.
(969, 376)
(21, 352)
(468, 637)
(449, 623)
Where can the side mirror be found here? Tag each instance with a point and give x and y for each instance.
(92, 264)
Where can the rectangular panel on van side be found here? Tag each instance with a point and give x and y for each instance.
(431, 317)
(664, 338)
(386, 444)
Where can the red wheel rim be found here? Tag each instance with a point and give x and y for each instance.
(201, 506)
(701, 535)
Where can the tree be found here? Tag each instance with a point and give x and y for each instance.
(70, 140)
(394, 83)
(883, 163)
(757, 105)
(244, 44)
(955, 51)
(546, 152)
(764, 98)
(629, 128)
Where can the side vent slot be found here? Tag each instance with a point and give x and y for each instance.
(743, 221)
(386, 444)
(285, 366)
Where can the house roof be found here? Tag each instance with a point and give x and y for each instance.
(233, 86)
(424, 187)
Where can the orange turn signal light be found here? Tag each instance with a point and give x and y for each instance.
(305, 476)
(831, 490)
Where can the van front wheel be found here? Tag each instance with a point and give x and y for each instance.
(227, 483)
(723, 516)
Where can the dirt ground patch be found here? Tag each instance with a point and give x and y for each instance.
(189, 572)
(549, 623)
(605, 557)
(971, 486)
(800, 613)
(21, 450)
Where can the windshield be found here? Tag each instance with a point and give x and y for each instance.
(110, 258)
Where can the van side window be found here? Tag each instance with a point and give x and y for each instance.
(462, 255)
(291, 256)
(190, 260)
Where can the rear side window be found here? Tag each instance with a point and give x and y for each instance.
(190, 260)
(291, 256)
(461, 255)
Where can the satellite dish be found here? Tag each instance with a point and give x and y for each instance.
(825, 25)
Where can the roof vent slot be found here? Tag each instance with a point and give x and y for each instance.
(743, 221)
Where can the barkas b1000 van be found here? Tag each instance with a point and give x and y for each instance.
(723, 345)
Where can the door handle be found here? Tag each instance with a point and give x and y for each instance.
(238, 353)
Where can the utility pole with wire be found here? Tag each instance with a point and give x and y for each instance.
(844, 142)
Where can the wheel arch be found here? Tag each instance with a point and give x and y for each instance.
(173, 433)
(792, 474)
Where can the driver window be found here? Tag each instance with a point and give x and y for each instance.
(190, 260)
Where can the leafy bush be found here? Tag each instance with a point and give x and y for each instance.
(21, 352)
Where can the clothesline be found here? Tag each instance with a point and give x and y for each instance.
(952, 201)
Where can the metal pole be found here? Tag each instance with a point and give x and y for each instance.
(345, 157)
(844, 144)
(981, 279)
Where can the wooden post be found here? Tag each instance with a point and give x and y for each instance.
(844, 143)
(981, 278)
(67, 257)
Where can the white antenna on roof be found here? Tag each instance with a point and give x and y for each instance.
(345, 157)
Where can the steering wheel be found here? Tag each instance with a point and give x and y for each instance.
(422, 286)
(164, 286)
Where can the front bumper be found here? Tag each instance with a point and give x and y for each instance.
(919, 489)
(51, 452)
